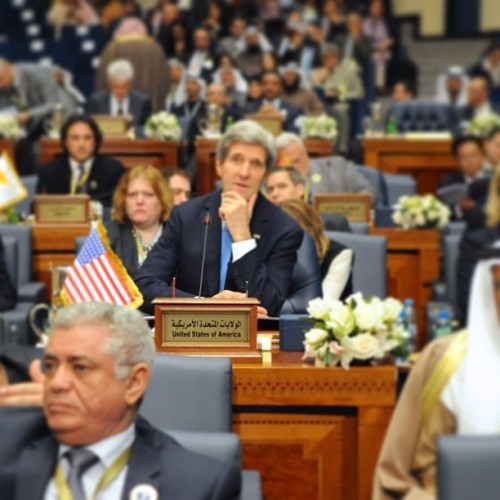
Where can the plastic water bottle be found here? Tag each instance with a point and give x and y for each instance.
(410, 324)
(391, 126)
(443, 324)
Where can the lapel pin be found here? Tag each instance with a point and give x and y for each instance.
(256, 236)
(143, 492)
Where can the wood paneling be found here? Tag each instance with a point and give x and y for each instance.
(427, 160)
(312, 432)
(130, 152)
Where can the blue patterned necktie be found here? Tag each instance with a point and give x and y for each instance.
(225, 255)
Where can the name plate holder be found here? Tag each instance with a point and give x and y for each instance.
(207, 327)
(112, 126)
(355, 207)
(273, 123)
(61, 208)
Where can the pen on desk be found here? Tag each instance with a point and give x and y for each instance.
(246, 289)
(173, 287)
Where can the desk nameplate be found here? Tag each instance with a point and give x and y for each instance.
(355, 207)
(64, 209)
(207, 327)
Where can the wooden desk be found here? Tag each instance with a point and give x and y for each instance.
(206, 176)
(8, 146)
(130, 152)
(427, 160)
(313, 433)
(53, 245)
(412, 261)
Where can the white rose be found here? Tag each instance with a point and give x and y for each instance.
(318, 308)
(391, 309)
(364, 346)
(367, 316)
(341, 320)
(315, 337)
(420, 220)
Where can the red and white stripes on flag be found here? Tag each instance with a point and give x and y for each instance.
(98, 275)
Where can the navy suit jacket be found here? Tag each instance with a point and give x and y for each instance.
(29, 455)
(267, 268)
(55, 178)
(139, 105)
(292, 112)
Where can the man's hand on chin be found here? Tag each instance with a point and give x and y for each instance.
(236, 212)
(25, 393)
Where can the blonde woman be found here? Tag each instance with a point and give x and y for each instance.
(335, 259)
(142, 204)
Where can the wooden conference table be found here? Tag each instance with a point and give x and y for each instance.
(427, 160)
(413, 261)
(130, 152)
(313, 433)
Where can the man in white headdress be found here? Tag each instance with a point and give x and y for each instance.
(297, 91)
(250, 47)
(446, 393)
(452, 87)
(236, 86)
(177, 94)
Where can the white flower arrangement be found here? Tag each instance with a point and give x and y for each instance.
(322, 126)
(483, 124)
(163, 125)
(420, 212)
(9, 127)
(357, 329)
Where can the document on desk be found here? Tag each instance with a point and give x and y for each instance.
(453, 194)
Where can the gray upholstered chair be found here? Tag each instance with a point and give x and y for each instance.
(190, 398)
(24, 206)
(370, 262)
(14, 324)
(399, 185)
(359, 227)
(467, 467)
(27, 290)
(189, 394)
(306, 279)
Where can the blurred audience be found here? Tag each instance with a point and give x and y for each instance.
(452, 87)
(180, 184)
(120, 99)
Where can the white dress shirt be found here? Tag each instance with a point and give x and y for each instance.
(115, 105)
(107, 450)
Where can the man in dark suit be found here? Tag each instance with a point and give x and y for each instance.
(81, 169)
(273, 104)
(286, 183)
(97, 366)
(324, 175)
(251, 245)
(468, 152)
(478, 99)
(120, 99)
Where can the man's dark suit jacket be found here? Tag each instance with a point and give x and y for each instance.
(28, 457)
(8, 292)
(55, 178)
(456, 177)
(292, 112)
(267, 268)
(139, 105)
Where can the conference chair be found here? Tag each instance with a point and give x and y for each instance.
(189, 394)
(377, 179)
(467, 467)
(27, 290)
(14, 324)
(370, 263)
(306, 279)
(422, 116)
(24, 206)
(191, 399)
(399, 185)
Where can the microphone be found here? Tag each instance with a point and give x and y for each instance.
(207, 220)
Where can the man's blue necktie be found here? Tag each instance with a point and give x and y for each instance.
(225, 255)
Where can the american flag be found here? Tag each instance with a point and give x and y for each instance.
(98, 275)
